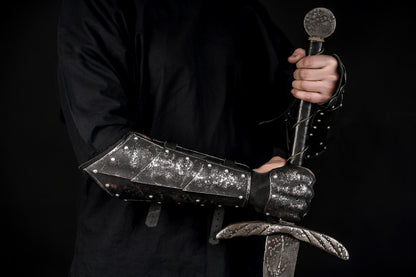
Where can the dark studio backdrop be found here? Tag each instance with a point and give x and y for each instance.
(365, 191)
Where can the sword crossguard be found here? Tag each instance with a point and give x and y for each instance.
(256, 228)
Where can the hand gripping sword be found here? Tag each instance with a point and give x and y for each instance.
(282, 242)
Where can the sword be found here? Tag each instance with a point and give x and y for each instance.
(282, 241)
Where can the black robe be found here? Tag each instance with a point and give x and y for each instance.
(204, 74)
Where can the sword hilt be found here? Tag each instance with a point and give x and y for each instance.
(255, 228)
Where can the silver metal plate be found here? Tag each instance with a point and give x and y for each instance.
(319, 23)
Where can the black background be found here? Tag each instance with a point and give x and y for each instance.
(365, 191)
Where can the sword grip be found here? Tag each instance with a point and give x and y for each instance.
(301, 129)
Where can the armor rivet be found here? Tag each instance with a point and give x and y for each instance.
(107, 185)
(226, 171)
(198, 200)
(240, 197)
(150, 196)
(117, 195)
(243, 175)
(95, 171)
(209, 165)
(126, 147)
(113, 159)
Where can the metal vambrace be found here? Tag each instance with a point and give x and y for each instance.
(142, 169)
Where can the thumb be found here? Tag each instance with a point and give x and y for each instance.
(297, 55)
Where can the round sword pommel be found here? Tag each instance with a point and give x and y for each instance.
(319, 23)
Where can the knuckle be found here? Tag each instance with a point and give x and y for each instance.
(334, 77)
(303, 74)
(307, 62)
(332, 61)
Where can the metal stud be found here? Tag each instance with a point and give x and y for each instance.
(314, 127)
(126, 147)
(237, 206)
(187, 158)
(321, 143)
(117, 195)
(318, 120)
(167, 151)
(112, 159)
(329, 127)
(240, 197)
(198, 200)
(107, 185)
(243, 175)
(136, 138)
(274, 195)
(321, 113)
(311, 134)
(226, 171)
(275, 176)
(150, 196)
(267, 214)
(209, 165)
(95, 171)
(219, 205)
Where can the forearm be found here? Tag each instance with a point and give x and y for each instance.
(142, 169)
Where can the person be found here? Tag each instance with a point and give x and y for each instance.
(175, 107)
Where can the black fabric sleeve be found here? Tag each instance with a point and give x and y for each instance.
(96, 73)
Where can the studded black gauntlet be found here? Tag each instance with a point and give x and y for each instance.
(141, 169)
(284, 192)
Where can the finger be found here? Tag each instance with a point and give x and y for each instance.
(322, 87)
(297, 55)
(317, 61)
(312, 97)
(316, 74)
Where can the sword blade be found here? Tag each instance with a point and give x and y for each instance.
(280, 256)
